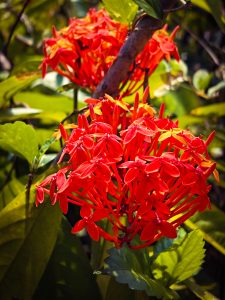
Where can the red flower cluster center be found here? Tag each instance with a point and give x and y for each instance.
(140, 173)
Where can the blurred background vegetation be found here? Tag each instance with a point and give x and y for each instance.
(39, 258)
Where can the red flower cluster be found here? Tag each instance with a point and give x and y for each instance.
(85, 50)
(140, 172)
(159, 47)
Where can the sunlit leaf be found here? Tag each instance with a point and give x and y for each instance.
(217, 109)
(167, 76)
(47, 103)
(187, 120)
(41, 159)
(123, 11)
(14, 84)
(202, 3)
(216, 88)
(201, 79)
(20, 139)
(182, 262)
(46, 159)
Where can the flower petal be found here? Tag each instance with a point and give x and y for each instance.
(93, 231)
(149, 231)
(171, 169)
(131, 175)
(39, 195)
(99, 214)
(189, 178)
(85, 211)
(167, 229)
(78, 226)
(153, 166)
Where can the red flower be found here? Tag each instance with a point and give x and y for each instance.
(88, 221)
(85, 50)
(127, 164)
(159, 47)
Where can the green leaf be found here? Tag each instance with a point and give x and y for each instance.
(46, 159)
(29, 64)
(187, 120)
(126, 268)
(27, 238)
(154, 288)
(181, 101)
(55, 103)
(167, 76)
(68, 274)
(134, 268)
(122, 11)
(212, 92)
(20, 139)
(180, 262)
(14, 84)
(45, 136)
(119, 291)
(162, 245)
(99, 252)
(217, 109)
(201, 79)
(199, 291)
(215, 8)
(39, 160)
(159, 79)
(211, 223)
(165, 243)
(12, 114)
(178, 67)
(152, 7)
(202, 3)
(10, 191)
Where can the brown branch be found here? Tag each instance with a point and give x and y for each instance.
(133, 45)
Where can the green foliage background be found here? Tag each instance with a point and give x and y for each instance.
(39, 258)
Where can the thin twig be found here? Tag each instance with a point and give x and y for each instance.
(28, 187)
(5, 48)
(205, 46)
(201, 42)
(74, 113)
